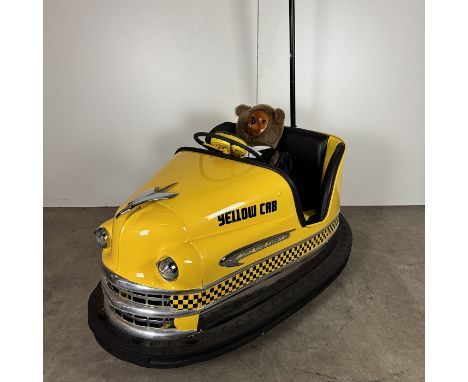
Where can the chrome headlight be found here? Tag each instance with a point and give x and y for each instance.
(168, 269)
(102, 237)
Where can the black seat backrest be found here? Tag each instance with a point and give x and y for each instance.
(307, 149)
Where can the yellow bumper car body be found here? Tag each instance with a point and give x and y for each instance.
(216, 248)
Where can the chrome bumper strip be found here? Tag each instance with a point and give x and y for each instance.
(120, 282)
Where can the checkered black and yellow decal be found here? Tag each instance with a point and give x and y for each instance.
(246, 276)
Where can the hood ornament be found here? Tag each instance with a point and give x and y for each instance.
(151, 195)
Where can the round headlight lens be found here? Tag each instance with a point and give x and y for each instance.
(102, 237)
(168, 269)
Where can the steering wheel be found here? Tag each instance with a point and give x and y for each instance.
(227, 145)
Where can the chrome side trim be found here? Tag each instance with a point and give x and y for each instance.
(147, 333)
(232, 260)
(220, 280)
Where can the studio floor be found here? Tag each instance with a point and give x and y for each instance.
(367, 326)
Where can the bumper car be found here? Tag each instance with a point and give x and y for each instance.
(218, 248)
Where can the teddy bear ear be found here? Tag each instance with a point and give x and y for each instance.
(278, 115)
(241, 108)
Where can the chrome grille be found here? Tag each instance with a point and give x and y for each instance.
(146, 315)
(157, 300)
(148, 322)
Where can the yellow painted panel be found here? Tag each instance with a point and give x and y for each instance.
(187, 322)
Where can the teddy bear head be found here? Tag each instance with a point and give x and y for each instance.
(260, 125)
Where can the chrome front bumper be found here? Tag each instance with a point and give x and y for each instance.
(139, 310)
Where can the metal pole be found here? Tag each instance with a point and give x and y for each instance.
(292, 63)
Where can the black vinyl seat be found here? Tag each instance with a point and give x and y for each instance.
(307, 151)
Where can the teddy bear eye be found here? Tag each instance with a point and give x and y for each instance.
(253, 121)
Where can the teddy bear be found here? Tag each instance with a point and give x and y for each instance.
(263, 125)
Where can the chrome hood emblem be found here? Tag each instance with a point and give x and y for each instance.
(151, 195)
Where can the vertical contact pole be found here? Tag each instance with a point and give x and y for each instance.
(292, 63)
(258, 48)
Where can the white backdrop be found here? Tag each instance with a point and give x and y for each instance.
(128, 82)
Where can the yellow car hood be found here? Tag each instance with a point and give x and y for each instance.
(215, 194)
(217, 200)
